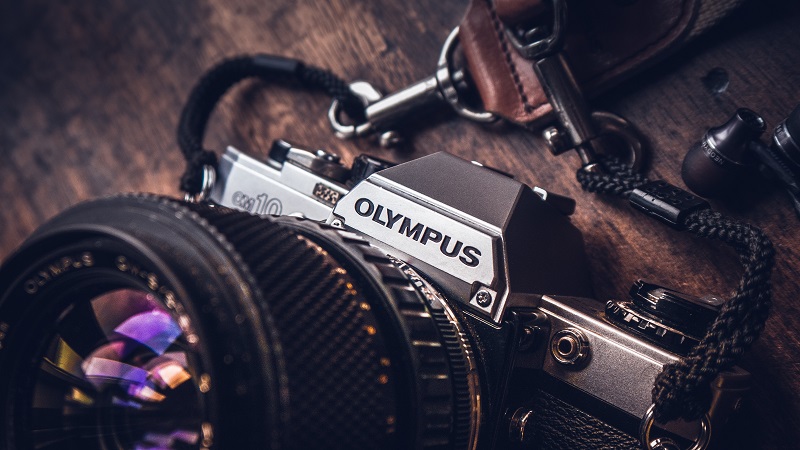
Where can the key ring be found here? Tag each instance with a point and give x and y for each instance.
(607, 124)
(646, 427)
(209, 179)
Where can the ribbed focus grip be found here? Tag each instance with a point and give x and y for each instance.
(370, 362)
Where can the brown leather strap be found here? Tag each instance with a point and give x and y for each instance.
(504, 79)
(606, 40)
(512, 12)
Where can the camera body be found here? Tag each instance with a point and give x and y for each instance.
(554, 363)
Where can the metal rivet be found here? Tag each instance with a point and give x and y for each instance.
(328, 156)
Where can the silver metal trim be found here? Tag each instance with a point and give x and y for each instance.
(579, 346)
(260, 187)
(209, 180)
(444, 77)
(377, 199)
(617, 358)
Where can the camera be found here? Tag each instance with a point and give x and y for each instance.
(435, 304)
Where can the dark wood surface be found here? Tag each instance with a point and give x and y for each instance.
(90, 93)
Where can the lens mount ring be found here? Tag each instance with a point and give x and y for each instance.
(459, 348)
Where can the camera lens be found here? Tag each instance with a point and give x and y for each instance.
(119, 365)
(139, 322)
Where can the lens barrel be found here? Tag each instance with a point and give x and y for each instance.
(145, 322)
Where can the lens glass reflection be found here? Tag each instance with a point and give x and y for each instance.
(117, 374)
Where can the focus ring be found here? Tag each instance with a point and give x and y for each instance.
(340, 395)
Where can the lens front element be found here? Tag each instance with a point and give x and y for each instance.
(117, 373)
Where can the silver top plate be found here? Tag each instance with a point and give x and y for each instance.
(258, 188)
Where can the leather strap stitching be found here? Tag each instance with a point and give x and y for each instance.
(498, 28)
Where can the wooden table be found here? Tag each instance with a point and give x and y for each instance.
(90, 93)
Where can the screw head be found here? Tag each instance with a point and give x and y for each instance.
(327, 156)
(483, 298)
(528, 338)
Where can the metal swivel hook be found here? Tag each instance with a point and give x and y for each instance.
(384, 111)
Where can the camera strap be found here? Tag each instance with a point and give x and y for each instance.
(682, 389)
(607, 41)
(517, 52)
(201, 163)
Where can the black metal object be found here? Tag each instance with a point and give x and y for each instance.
(669, 318)
(728, 155)
(716, 163)
(665, 202)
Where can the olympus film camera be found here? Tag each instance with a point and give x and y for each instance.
(435, 304)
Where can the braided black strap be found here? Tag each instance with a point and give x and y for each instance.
(216, 82)
(682, 389)
(611, 176)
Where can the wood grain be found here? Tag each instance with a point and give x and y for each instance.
(90, 93)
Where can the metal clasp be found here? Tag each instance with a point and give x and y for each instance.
(384, 111)
(209, 179)
(537, 42)
(577, 126)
